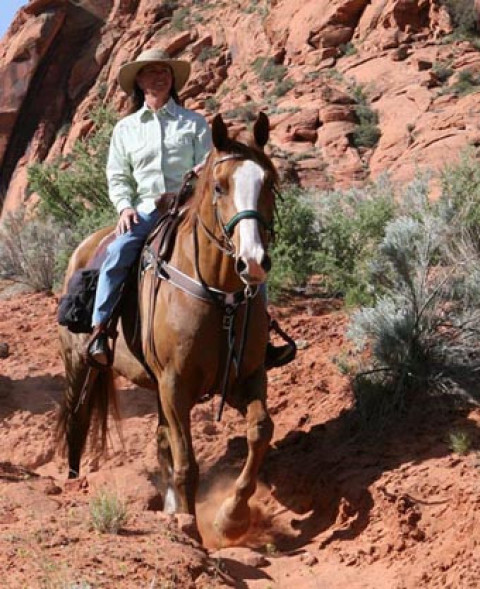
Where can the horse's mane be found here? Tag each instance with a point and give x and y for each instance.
(235, 147)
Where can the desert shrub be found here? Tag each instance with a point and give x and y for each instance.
(282, 87)
(459, 442)
(367, 132)
(352, 224)
(181, 19)
(208, 53)
(211, 104)
(73, 190)
(247, 113)
(169, 5)
(28, 250)
(422, 332)
(75, 184)
(347, 49)
(268, 71)
(463, 15)
(466, 83)
(107, 512)
(296, 241)
(460, 197)
(442, 71)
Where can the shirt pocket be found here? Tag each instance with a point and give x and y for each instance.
(179, 146)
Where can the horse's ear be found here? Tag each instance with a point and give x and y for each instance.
(261, 130)
(220, 133)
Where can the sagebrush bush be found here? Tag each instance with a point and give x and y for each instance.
(28, 249)
(108, 513)
(422, 332)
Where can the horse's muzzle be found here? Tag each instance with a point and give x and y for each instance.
(251, 272)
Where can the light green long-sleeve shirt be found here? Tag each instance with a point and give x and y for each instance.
(151, 152)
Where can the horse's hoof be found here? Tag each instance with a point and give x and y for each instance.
(232, 521)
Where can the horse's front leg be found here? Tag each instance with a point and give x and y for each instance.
(233, 517)
(176, 405)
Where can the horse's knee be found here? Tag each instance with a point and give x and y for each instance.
(185, 476)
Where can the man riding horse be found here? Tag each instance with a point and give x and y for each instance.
(151, 151)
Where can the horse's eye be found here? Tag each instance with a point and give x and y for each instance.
(218, 189)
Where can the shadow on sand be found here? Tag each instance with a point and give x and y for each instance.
(319, 473)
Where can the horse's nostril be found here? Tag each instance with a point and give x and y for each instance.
(267, 263)
(240, 266)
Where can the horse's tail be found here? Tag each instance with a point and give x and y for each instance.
(90, 394)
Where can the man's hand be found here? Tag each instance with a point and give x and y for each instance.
(128, 218)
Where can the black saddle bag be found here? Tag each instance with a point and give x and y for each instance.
(75, 308)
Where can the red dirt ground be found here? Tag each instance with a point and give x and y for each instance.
(336, 507)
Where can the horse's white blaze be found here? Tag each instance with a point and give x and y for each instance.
(248, 178)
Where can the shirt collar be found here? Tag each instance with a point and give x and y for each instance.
(169, 108)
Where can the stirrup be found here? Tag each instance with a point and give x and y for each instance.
(100, 331)
(277, 356)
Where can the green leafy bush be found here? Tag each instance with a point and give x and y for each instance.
(366, 133)
(463, 15)
(352, 224)
(73, 189)
(296, 241)
(75, 184)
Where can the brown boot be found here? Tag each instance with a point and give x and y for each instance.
(98, 352)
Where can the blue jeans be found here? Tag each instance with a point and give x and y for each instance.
(121, 255)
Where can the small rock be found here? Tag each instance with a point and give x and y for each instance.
(309, 559)
(186, 523)
(4, 350)
(302, 344)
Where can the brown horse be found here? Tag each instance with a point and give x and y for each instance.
(193, 345)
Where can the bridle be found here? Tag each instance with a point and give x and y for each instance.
(198, 288)
(225, 244)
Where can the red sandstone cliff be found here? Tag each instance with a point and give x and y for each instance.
(60, 57)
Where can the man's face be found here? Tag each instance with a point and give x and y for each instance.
(155, 79)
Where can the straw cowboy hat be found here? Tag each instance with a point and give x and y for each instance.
(129, 71)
